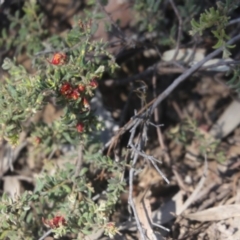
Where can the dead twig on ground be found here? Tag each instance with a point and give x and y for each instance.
(156, 120)
(131, 174)
(156, 101)
(136, 148)
(121, 35)
(179, 35)
(45, 234)
(188, 73)
(192, 197)
(79, 160)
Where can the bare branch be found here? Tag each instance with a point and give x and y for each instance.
(120, 32)
(188, 73)
(237, 20)
(192, 197)
(131, 174)
(179, 29)
(79, 160)
(45, 234)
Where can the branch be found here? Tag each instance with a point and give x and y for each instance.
(121, 34)
(237, 20)
(79, 160)
(188, 73)
(45, 234)
(131, 174)
(179, 29)
(163, 95)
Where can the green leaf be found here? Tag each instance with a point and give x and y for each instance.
(83, 171)
(219, 44)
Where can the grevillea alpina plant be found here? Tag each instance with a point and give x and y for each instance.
(66, 78)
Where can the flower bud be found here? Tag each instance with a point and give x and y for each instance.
(58, 59)
(66, 89)
(55, 222)
(86, 103)
(75, 94)
(93, 83)
(81, 87)
(80, 127)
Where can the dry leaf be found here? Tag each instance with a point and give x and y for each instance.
(185, 54)
(228, 121)
(144, 213)
(216, 213)
(12, 186)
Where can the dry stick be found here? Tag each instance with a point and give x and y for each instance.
(156, 119)
(192, 197)
(163, 95)
(143, 74)
(188, 73)
(131, 174)
(111, 20)
(79, 160)
(237, 20)
(179, 179)
(163, 71)
(45, 234)
(179, 28)
(220, 63)
(136, 151)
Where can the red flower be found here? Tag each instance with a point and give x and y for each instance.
(93, 83)
(75, 94)
(80, 127)
(81, 87)
(56, 222)
(58, 59)
(86, 103)
(66, 89)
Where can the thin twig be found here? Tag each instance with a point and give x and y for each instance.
(237, 20)
(163, 95)
(148, 72)
(45, 234)
(131, 174)
(156, 119)
(221, 62)
(136, 149)
(179, 179)
(192, 197)
(159, 171)
(179, 29)
(122, 36)
(52, 153)
(79, 160)
(160, 226)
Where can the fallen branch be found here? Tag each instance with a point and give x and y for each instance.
(188, 73)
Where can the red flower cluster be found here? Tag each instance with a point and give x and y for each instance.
(81, 91)
(56, 222)
(58, 59)
(68, 91)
